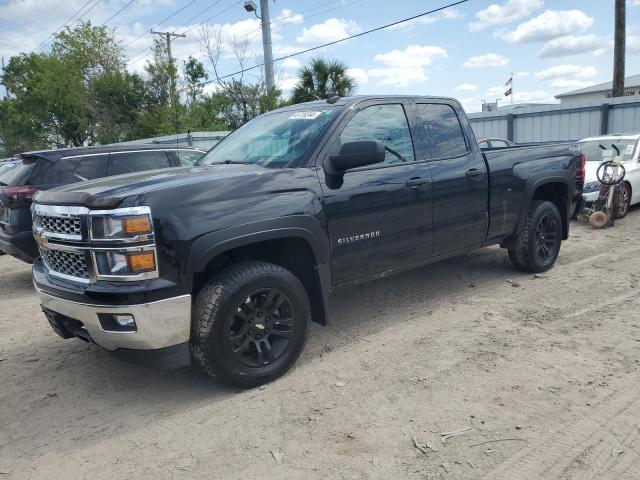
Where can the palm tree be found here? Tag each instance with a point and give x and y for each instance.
(320, 78)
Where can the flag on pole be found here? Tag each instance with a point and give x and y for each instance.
(509, 82)
(507, 93)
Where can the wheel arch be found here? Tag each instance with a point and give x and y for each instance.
(296, 248)
(554, 189)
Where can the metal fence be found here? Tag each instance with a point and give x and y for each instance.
(203, 140)
(557, 123)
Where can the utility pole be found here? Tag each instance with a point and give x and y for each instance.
(618, 49)
(6, 92)
(168, 36)
(265, 21)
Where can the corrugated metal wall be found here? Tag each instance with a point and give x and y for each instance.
(552, 123)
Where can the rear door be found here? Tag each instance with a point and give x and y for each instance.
(379, 219)
(458, 174)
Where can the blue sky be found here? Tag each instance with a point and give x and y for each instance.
(467, 52)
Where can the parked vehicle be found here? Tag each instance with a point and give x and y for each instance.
(50, 168)
(485, 142)
(629, 189)
(227, 262)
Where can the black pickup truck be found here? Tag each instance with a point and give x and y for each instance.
(225, 263)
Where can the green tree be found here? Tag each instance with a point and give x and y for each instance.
(320, 78)
(194, 75)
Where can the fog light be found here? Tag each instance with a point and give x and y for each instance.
(124, 320)
(117, 322)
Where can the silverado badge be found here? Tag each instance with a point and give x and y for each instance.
(358, 238)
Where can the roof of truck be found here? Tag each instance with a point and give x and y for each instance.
(346, 101)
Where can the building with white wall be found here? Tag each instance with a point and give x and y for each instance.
(600, 92)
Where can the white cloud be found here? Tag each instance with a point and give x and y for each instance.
(522, 74)
(360, 75)
(328, 31)
(569, 83)
(398, 77)
(633, 43)
(566, 71)
(634, 3)
(291, 63)
(448, 14)
(486, 60)
(288, 16)
(549, 25)
(287, 84)
(467, 87)
(510, 11)
(413, 55)
(570, 45)
(403, 67)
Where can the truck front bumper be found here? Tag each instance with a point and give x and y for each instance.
(158, 326)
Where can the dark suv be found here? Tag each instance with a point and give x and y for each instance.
(51, 168)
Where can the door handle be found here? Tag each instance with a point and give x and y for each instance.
(474, 172)
(417, 181)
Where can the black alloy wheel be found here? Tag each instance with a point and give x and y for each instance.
(260, 329)
(547, 237)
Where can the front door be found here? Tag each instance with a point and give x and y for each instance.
(380, 217)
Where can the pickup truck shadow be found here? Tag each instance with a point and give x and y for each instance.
(98, 396)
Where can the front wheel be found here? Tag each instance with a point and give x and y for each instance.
(538, 244)
(622, 200)
(250, 323)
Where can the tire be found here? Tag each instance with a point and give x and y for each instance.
(250, 324)
(622, 200)
(537, 246)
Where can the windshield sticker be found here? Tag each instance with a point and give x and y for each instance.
(629, 149)
(305, 115)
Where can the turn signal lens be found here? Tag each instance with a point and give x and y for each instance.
(136, 225)
(141, 262)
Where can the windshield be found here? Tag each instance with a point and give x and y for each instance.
(275, 140)
(592, 151)
(7, 166)
(15, 174)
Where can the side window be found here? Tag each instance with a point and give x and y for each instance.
(441, 133)
(483, 144)
(61, 172)
(385, 123)
(128, 162)
(92, 166)
(499, 144)
(188, 157)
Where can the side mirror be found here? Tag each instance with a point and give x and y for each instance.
(356, 154)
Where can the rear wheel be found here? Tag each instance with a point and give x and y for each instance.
(250, 324)
(538, 244)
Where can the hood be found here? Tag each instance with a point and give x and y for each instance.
(111, 191)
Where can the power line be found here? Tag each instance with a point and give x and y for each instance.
(184, 32)
(46, 40)
(164, 20)
(382, 27)
(117, 13)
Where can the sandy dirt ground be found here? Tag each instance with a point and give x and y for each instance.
(533, 377)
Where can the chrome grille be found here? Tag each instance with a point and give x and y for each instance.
(60, 225)
(73, 264)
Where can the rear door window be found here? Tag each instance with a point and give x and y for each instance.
(128, 162)
(441, 134)
(92, 166)
(499, 144)
(61, 172)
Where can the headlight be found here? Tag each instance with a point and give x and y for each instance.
(133, 224)
(138, 263)
(591, 186)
